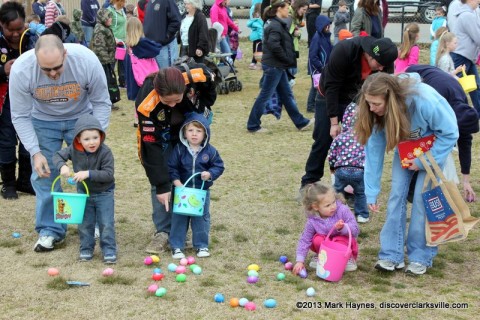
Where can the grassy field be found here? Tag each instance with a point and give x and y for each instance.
(255, 219)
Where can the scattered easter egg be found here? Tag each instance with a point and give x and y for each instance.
(16, 235)
(157, 270)
(161, 292)
(183, 261)
(270, 303)
(172, 267)
(252, 273)
(250, 306)
(148, 261)
(192, 266)
(219, 298)
(253, 267)
(288, 266)
(191, 260)
(281, 276)
(157, 276)
(303, 273)
(197, 270)
(283, 259)
(310, 292)
(71, 181)
(107, 272)
(242, 302)
(181, 277)
(234, 302)
(152, 288)
(252, 279)
(155, 259)
(53, 272)
(180, 269)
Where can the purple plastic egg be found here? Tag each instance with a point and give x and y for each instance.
(252, 279)
(303, 273)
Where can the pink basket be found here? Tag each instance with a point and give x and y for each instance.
(120, 53)
(333, 257)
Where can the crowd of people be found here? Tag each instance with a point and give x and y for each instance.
(367, 96)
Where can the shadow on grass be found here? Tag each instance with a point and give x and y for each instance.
(117, 280)
(58, 283)
(9, 243)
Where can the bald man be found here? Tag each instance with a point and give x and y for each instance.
(50, 88)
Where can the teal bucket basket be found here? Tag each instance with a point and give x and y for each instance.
(189, 201)
(68, 208)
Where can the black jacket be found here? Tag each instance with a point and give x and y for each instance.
(198, 35)
(162, 21)
(278, 50)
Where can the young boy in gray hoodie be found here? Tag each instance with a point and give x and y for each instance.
(92, 163)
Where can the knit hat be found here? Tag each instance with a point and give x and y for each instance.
(344, 34)
(383, 50)
(59, 29)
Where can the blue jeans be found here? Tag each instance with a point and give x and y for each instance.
(312, 94)
(470, 68)
(161, 218)
(100, 209)
(225, 45)
(394, 232)
(51, 135)
(275, 79)
(345, 176)
(168, 54)
(88, 34)
(200, 228)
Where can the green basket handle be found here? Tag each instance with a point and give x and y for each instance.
(191, 177)
(84, 184)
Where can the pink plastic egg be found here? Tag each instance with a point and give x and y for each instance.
(183, 261)
(52, 272)
(190, 260)
(107, 272)
(288, 266)
(250, 306)
(180, 269)
(152, 288)
(148, 261)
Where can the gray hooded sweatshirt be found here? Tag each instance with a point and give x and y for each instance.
(466, 27)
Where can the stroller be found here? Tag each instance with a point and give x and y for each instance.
(228, 75)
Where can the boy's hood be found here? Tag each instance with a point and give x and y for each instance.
(461, 9)
(321, 22)
(77, 14)
(86, 122)
(199, 118)
(103, 15)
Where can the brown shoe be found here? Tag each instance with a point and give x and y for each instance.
(158, 244)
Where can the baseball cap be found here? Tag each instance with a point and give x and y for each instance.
(383, 50)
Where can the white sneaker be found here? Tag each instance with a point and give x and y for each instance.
(351, 265)
(177, 254)
(310, 123)
(416, 268)
(386, 265)
(46, 243)
(203, 253)
(361, 219)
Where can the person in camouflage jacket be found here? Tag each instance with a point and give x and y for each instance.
(76, 26)
(103, 41)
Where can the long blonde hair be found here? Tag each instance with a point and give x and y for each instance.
(134, 32)
(444, 40)
(410, 35)
(396, 120)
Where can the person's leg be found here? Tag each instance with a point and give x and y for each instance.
(271, 78)
(179, 230)
(106, 222)
(286, 96)
(167, 55)
(341, 180)
(88, 34)
(358, 185)
(344, 240)
(86, 230)
(24, 171)
(311, 29)
(121, 73)
(173, 55)
(8, 160)
(311, 98)
(317, 242)
(161, 218)
(201, 226)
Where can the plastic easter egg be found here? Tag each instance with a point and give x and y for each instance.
(71, 181)
(242, 302)
(234, 302)
(172, 267)
(219, 298)
(180, 269)
(157, 276)
(107, 272)
(183, 261)
(190, 260)
(181, 277)
(281, 276)
(148, 261)
(252, 279)
(252, 273)
(53, 272)
(197, 270)
(283, 259)
(270, 303)
(16, 235)
(250, 306)
(193, 266)
(152, 288)
(253, 267)
(303, 273)
(157, 270)
(155, 259)
(288, 266)
(161, 292)
(310, 292)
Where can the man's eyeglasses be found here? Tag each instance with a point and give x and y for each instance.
(54, 68)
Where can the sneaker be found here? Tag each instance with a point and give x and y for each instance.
(97, 234)
(158, 244)
(46, 243)
(361, 219)
(85, 256)
(252, 66)
(415, 268)
(291, 83)
(261, 130)
(386, 265)
(313, 263)
(203, 253)
(111, 259)
(351, 265)
(9, 193)
(177, 254)
(308, 125)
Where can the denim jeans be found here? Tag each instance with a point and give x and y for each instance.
(168, 54)
(161, 218)
(200, 228)
(393, 236)
(100, 209)
(225, 46)
(88, 34)
(345, 176)
(470, 68)
(51, 135)
(8, 138)
(275, 79)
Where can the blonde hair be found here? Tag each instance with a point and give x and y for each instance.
(314, 192)
(410, 35)
(396, 120)
(134, 32)
(444, 40)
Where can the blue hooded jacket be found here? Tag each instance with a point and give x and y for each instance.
(184, 162)
(320, 47)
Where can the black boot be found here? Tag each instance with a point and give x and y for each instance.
(9, 191)
(24, 173)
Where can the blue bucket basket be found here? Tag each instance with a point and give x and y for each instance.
(189, 201)
(68, 208)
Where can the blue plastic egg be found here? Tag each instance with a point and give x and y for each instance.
(157, 270)
(283, 259)
(252, 273)
(16, 235)
(219, 298)
(71, 181)
(242, 302)
(270, 303)
(172, 267)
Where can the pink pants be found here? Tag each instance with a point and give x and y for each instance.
(319, 238)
